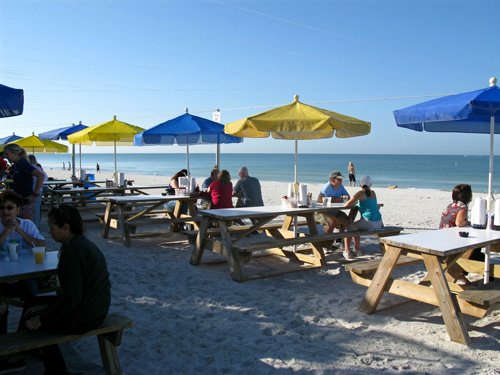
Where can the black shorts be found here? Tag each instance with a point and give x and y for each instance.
(352, 177)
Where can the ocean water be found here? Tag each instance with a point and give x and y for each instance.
(406, 171)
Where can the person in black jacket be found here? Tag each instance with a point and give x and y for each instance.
(85, 296)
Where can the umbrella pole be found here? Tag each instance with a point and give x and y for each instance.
(80, 154)
(116, 169)
(295, 192)
(217, 157)
(490, 200)
(73, 160)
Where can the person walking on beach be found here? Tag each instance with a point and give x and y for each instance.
(69, 165)
(352, 174)
(248, 190)
(97, 168)
(64, 166)
(371, 218)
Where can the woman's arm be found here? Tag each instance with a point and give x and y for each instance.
(39, 181)
(174, 183)
(461, 219)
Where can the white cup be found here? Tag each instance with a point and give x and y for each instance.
(327, 201)
(13, 251)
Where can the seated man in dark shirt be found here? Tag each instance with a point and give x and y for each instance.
(85, 296)
(248, 189)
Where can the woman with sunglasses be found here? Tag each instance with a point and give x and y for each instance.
(25, 233)
(23, 174)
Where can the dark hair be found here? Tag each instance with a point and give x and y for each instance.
(462, 193)
(367, 190)
(66, 214)
(224, 177)
(11, 196)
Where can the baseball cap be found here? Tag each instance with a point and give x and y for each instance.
(336, 174)
(365, 180)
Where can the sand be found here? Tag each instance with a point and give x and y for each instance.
(191, 320)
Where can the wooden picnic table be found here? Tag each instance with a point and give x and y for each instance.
(58, 184)
(228, 242)
(82, 196)
(26, 268)
(125, 210)
(441, 252)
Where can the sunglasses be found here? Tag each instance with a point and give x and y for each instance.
(8, 208)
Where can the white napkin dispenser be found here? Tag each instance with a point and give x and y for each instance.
(479, 214)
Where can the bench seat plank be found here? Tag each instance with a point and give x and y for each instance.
(315, 238)
(109, 335)
(363, 268)
(484, 295)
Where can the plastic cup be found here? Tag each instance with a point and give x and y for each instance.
(13, 251)
(39, 254)
(326, 201)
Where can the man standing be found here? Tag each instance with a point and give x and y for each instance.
(248, 190)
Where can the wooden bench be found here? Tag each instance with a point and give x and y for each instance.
(211, 232)
(317, 238)
(109, 335)
(369, 267)
(114, 218)
(484, 295)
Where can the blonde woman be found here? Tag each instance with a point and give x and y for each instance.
(24, 175)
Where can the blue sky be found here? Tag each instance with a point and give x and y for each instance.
(146, 61)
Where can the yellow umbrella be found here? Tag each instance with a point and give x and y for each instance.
(110, 133)
(298, 121)
(35, 144)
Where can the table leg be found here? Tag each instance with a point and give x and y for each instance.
(379, 281)
(317, 247)
(232, 256)
(452, 315)
(123, 225)
(201, 239)
(107, 219)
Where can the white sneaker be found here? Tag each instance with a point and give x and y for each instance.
(347, 255)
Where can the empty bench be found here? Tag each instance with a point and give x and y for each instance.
(317, 238)
(109, 336)
(234, 229)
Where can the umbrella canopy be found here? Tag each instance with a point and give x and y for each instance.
(62, 133)
(109, 133)
(298, 121)
(186, 130)
(11, 101)
(35, 144)
(9, 138)
(470, 112)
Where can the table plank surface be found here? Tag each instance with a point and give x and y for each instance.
(444, 242)
(26, 267)
(262, 211)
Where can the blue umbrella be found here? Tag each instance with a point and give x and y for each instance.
(62, 133)
(11, 101)
(9, 138)
(186, 130)
(470, 112)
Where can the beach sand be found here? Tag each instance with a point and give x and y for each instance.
(196, 320)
